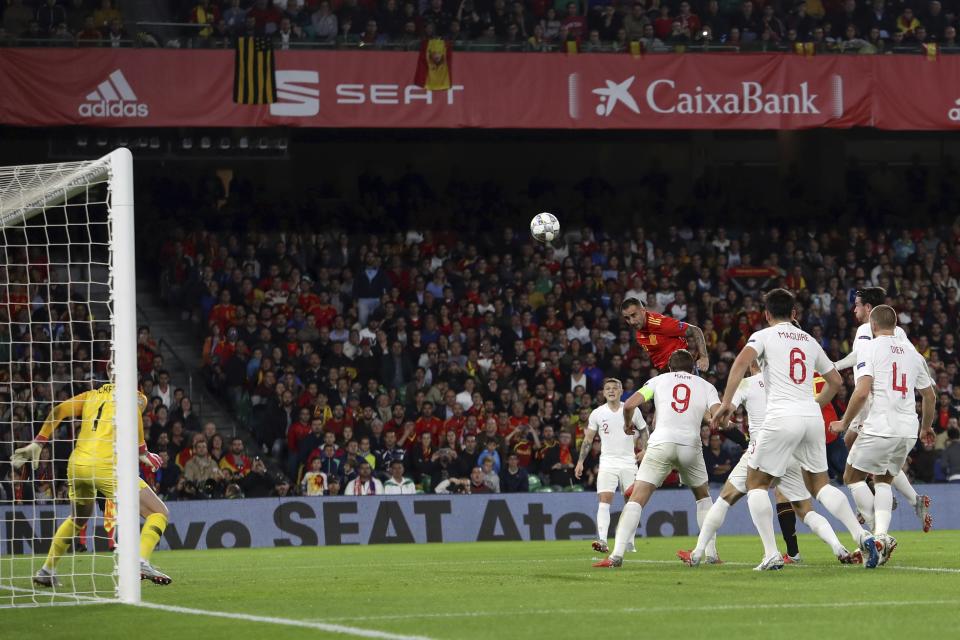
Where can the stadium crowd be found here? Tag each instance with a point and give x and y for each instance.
(449, 361)
(471, 364)
(863, 26)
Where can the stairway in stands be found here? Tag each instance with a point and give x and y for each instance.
(180, 346)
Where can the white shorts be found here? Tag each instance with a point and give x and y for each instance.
(879, 455)
(791, 484)
(663, 457)
(609, 478)
(783, 440)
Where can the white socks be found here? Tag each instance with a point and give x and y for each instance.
(837, 504)
(864, 499)
(603, 520)
(703, 508)
(819, 525)
(762, 513)
(627, 527)
(709, 525)
(902, 484)
(883, 507)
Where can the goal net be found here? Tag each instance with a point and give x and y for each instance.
(67, 320)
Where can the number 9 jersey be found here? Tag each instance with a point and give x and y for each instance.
(788, 357)
(681, 399)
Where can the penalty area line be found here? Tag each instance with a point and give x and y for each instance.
(287, 622)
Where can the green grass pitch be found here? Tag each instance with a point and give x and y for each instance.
(529, 590)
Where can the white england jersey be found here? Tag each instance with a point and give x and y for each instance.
(752, 394)
(788, 357)
(898, 370)
(680, 399)
(616, 447)
(865, 335)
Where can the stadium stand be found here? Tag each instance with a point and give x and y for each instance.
(809, 28)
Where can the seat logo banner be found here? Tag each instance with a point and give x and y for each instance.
(190, 88)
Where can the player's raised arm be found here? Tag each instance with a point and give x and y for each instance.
(66, 409)
(644, 394)
(694, 335)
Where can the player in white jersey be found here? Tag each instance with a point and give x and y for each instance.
(888, 372)
(682, 400)
(866, 300)
(752, 394)
(793, 427)
(618, 454)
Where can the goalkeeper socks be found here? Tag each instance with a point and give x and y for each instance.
(902, 484)
(150, 535)
(883, 507)
(603, 520)
(788, 527)
(819, 525)
(61, 540)
(627, 527)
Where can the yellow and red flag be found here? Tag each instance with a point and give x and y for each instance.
(434, 66)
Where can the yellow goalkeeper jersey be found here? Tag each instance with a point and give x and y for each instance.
(96, 410)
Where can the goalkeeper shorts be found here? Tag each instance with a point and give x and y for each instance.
(86, 478)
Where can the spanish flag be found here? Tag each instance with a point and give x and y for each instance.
(435, 65)
(254, 79)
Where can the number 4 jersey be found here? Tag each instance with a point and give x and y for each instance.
(680, 399)
(788, 357)
(897, 370)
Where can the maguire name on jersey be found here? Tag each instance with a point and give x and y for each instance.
(788, 357)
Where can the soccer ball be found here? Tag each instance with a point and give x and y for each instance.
(544, 227)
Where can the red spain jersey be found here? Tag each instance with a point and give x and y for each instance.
(661, 337)
(829, 413)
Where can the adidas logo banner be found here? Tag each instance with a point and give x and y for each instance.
(113, 98)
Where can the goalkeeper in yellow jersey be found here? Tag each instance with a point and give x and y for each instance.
(90, 470)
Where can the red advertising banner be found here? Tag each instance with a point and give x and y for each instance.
(367, 89)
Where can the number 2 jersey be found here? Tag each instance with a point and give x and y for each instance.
(680, 400)
(788, 357)
(898, 370)
(616, 447)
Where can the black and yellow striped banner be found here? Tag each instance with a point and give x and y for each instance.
(254, 75)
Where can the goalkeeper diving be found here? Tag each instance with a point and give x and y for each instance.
(90, 470)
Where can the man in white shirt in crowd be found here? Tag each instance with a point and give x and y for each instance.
(396, 484)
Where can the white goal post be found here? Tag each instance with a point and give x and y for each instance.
(97, 194)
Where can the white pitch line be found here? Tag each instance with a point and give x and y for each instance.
(684, 609)
(288, 622)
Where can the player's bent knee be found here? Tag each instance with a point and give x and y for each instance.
(801, 508)
(701, 492)
(605, 497)
(729, 494)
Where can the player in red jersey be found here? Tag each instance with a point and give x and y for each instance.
(661, 335)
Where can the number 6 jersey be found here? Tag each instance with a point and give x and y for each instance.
(680, 399)
(788, 357)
